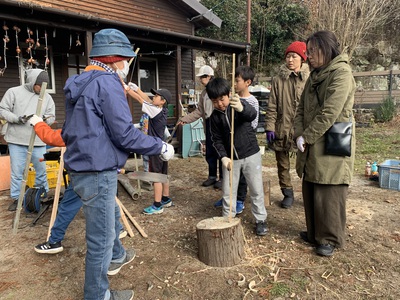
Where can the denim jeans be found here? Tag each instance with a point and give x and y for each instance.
(18, 155)
(97, 191)
(67, 210)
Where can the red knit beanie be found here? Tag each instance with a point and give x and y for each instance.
(109, 59)
(297, 47)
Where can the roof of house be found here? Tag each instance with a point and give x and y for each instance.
(200, 15)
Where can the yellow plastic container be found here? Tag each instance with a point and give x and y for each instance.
(52, 168)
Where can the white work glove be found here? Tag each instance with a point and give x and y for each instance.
(133, 86)
(226, 162)
(167, 152)
(235, 103)
(34, 120)
(301, 145)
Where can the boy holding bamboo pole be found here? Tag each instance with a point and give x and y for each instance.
(247, 156)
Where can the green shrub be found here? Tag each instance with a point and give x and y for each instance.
(386, 111)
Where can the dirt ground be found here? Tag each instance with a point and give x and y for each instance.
(167, 266)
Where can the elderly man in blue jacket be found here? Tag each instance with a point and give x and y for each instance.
(99, 136)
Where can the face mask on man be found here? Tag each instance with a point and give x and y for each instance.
(124, 72)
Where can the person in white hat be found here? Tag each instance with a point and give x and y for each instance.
(204, 110)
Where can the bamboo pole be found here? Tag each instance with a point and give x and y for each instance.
(28, 160)
(232, 136)
(60, 177)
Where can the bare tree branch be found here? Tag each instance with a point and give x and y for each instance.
(352, 20)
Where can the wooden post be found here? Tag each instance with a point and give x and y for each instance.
(220, 242)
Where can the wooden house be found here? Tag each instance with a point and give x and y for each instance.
(60, 32)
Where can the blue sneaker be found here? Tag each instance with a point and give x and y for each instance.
(166, 203)
(218, 204)
(153, 210)
(239, 207)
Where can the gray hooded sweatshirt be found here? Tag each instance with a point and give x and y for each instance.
(22, 100)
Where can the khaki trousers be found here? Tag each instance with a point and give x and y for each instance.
(325, 210)
(283, 164)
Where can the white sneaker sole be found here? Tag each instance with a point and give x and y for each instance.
(167, 205)
(156, 212)
(123, 234)
(49, 251)
(115, 272)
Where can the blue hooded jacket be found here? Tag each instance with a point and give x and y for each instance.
(98, 129)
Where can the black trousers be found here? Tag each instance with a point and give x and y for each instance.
(212, 158)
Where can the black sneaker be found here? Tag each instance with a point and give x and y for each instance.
(261, 228)
(121, 295)
(48, 248)
(13, 206)
(218, 185)
(325, 250)
(209, 181)
(114, 268)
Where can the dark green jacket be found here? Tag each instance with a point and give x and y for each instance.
(336, 86)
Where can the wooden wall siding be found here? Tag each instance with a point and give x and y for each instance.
(159, 14)
(10, 77)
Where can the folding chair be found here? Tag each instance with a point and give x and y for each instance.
(198, 138)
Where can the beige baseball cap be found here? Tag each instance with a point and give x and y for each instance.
(205, 70)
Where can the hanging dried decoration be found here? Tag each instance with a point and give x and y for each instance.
(46, 48)
(78, 42)
(30, 41)
(18, 50)
(6, 39)
(37, 45)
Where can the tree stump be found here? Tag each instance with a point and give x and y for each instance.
(220, 242)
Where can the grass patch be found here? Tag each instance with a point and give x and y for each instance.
(279, 289)
(300, 281)
(378, 143)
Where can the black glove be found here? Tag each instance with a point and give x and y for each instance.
(23, 119)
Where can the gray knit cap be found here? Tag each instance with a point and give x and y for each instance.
(42, 77)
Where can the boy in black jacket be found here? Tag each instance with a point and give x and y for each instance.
(247, 154)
